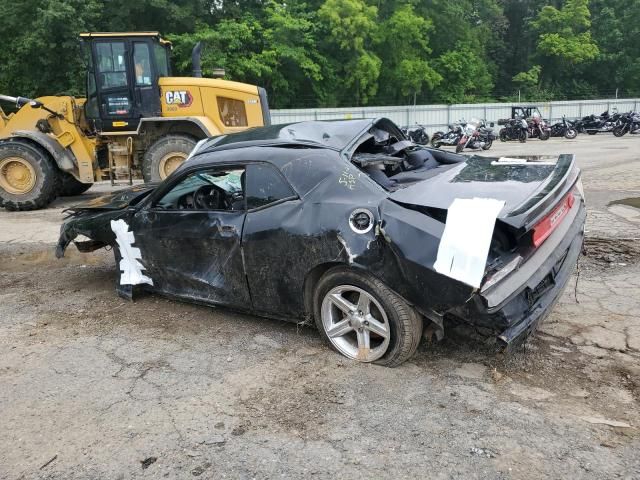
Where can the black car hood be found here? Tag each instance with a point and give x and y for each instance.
(526, 184)
(117, 200)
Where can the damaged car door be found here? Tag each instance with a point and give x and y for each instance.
(189, 236)
(271, 240)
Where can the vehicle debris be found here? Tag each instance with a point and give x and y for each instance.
(147, 462)
(605, 421)
(48, 462)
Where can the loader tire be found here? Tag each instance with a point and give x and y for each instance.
(165, 155)
(70, 186)
(29, 180)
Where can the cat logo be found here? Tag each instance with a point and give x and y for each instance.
(181, 98)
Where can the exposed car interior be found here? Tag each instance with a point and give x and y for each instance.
(207, 190)
(392, 161)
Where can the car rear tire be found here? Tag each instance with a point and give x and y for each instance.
(70, 186)
(361, 318)
(165, 155)
(28, 178)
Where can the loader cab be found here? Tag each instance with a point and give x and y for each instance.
(122, 78)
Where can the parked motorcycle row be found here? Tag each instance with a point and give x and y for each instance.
(618, 123)
(526, 123)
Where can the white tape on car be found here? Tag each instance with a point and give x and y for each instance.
(464, 246)
(130, 267)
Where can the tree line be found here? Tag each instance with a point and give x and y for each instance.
(331, 53)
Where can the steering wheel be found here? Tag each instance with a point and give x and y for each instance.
(211, 197)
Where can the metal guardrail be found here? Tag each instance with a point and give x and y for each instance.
(437, 117)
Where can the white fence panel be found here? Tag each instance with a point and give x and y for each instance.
(437, 117)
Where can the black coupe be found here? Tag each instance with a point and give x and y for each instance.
(353, 225)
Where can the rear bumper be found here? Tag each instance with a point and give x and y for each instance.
(553, 284)
(523, 300)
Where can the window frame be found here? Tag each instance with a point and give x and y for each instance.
(155, 199)
(149, 56)
(150, 202)
(294, 195)
(99, 71)
(227, 99)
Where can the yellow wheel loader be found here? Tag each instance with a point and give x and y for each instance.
(137, 121)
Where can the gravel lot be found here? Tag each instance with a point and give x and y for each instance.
(94, 387)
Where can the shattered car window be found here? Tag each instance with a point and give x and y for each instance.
(265, 185)
(212, 189)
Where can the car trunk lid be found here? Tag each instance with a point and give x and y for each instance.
(530, 186)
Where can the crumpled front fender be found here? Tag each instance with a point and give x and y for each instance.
(93, 224)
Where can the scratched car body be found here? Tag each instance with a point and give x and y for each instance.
(343, 222)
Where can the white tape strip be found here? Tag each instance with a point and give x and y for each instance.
(130, 267)
(464, 246)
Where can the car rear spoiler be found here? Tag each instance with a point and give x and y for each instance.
(561, 181)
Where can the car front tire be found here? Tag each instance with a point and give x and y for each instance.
(364, 320)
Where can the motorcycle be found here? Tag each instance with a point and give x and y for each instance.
(449, 138)
(476, 135)
(417, 134)
(564, 128)
(628, 123)
(538, 128)
(593, 124)
(513, 129)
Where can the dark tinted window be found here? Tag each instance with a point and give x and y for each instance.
(161, 60)
(265, 185)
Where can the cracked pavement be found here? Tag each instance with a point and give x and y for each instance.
(92, 386)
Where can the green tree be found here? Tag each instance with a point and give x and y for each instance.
(403, 46)
(466, 77)
(528, 79)
(350, 27)
(564, 38)
(41, 53)
(276, 51)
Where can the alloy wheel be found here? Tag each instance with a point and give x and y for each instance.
(355, 323)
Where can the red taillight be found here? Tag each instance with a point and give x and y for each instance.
(547, 225)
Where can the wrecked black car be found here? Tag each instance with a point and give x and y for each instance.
(353, 225)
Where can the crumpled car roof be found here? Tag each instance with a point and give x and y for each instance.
(334, 134)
